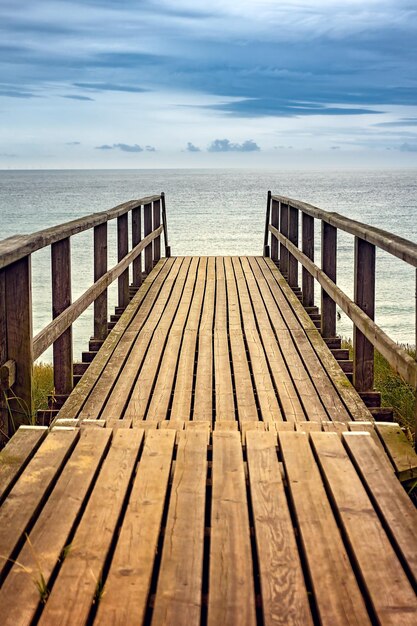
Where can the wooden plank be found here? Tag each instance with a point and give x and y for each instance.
(203, 398)
(283, 590)
(231, 597)
(28, 494)
(296, 375)
(274, 222)
(307, 427)
(346, 391)
(245, 399)
(75, 588)
(364, 288)
(17, 453)
(156, 209)
(328, 265)
(399, 450)
(267, 399)
(247, 426)
(165, 374)
(100, 268)
(283, 223)
(184, 383)
(369, 427)
(289, 401)
(117, 423)
(7, 375)
(226, 425)
(127, 585)
(370, 547)
(30, 576)
(283, 317)
(121, 348)
(389, 498)
(179, 590)
(225, 406)
(335, 427)
(61, 300)
(282, 426)
(336, 592)
(174, 424)
(4, 414)
(138, 402)
(19, 340)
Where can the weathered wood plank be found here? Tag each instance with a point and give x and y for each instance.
(28, 494)
(347, 392)
(136, 239)
(49, 537)
(100, 268)
(307, 226)
(147, 225)
(184, 383)
(225, 406)
(231, 597)
(284, 594)
(138, 402)
(121, 347)
(156, 210)
(203, 398)
(80, 575)
(370, 547)
(165, 373)
(267, 398)
(337, 595)
(389, 498)
(179, 590)
(399, 450)
(127, 586)
(364, 288)
(17, 453)
(245, 399)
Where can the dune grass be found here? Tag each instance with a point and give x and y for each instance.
(43, 385)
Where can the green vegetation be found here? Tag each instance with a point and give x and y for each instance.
(43, 385)
(395, 393)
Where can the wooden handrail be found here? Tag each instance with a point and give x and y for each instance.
(19, 246)
(54, 329)
(283, 226)
(17, 345)
(400, 360)
(397, 246)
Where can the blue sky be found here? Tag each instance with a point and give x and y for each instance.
(176, 83)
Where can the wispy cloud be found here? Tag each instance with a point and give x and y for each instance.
(81, 98)
(225, 145)
(192, 148)
(73, 143)
(111, 87)
(408, 147)
(125, 147)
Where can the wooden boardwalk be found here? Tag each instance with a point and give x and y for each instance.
(213, 466)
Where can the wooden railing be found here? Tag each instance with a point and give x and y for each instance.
(286, 246)
(18, 347)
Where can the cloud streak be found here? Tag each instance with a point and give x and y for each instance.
(225, 145)
(125, 147)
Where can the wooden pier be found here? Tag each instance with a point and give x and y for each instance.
(214, 462)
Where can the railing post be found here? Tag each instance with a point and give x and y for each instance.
(307, 226)
(293, 237)
(100, 268)
(364, 287)
(283, 252)
(147, 223)
(4, 418)
(266, 237)
(17, 323)
(122, 250)
(274, 222)
(415, 390)
(136, 239)
(164, 222)
(328, 265)
(61, 299)
(156, 224)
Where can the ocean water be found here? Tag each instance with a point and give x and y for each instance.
(215, 212)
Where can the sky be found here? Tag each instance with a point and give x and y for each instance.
(225, 83)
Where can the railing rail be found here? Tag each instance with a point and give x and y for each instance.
(18, 347)
(282, 244)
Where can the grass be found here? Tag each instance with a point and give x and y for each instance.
(43, 385)
(395, 393)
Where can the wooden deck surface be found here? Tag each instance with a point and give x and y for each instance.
(213, 466)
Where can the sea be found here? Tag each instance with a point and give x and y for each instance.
(215, 212)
